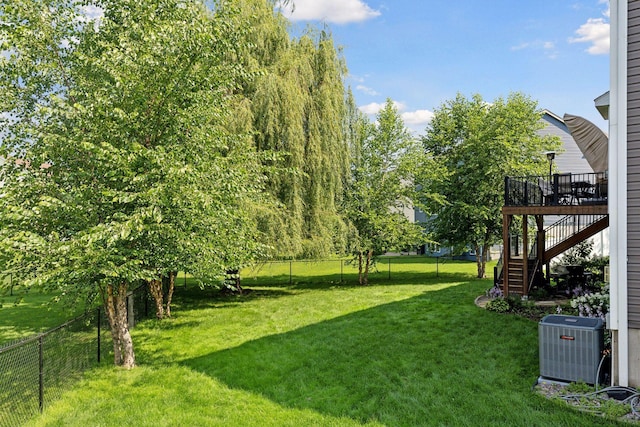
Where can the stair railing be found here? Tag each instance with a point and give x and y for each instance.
(568, 226)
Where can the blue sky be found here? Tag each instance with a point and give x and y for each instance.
(421, 53)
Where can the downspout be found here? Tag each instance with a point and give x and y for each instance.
(618, 320)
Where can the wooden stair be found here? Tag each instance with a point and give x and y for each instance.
(515, 278)
(515, 267)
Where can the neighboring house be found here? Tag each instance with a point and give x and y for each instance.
(570, 159)
(624, 191)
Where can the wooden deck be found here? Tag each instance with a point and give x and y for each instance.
(602, 209)
(581, 200)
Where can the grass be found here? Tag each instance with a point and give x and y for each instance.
(411, 351)
(28, 312)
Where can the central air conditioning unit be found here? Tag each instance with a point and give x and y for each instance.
(570, 348)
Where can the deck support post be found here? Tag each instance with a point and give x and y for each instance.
(506, 253)
(525, 255)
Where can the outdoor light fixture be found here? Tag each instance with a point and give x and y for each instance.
(550, 156)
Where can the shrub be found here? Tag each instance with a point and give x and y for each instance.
(592, 304)
(499, 305)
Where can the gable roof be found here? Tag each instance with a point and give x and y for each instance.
(571, 159)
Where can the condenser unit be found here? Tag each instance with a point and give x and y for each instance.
(570, 348)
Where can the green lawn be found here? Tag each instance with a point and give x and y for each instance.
(28, 312)
(413, 350)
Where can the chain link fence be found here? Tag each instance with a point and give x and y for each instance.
(36, 371)
(346, 270)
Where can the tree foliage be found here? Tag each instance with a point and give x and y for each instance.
(120, 165)
(478, 144)
(295, 107)
(385, 161)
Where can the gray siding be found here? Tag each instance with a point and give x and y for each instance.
(633, 163)
(571, 159)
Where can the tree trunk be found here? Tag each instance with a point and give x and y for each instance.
(116, 311)
(172, 282)
(155, 288)
(480, 260)
(360, 277)
(366, 268)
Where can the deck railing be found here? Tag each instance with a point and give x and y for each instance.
(557, 189)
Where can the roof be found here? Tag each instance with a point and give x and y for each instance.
(602, 105)
(570, 159)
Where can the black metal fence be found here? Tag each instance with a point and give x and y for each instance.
(37, 370)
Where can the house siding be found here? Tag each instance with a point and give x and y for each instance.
(633, 163)
(570, 159)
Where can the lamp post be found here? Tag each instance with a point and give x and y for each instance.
(550, 156)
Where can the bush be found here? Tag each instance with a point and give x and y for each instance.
(592, 304)
(499, 305)
(595, 265)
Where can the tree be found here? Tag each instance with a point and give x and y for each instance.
(478, 144)
(385, 160)
(295, 107)
(119, 164)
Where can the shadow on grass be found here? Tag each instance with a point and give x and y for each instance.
(429, 360)
(195, 298)
(330, 281)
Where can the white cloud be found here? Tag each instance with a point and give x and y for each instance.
(375, 107)
(411, 118)
(596, 32)
(548, 47)
(418, 117)
(607, 12)
(372, 108)
(334, 11)
(521, 46)
(367, 90)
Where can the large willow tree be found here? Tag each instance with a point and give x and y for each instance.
(295, 104)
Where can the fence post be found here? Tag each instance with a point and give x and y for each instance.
(98, 309)
(40, 374)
